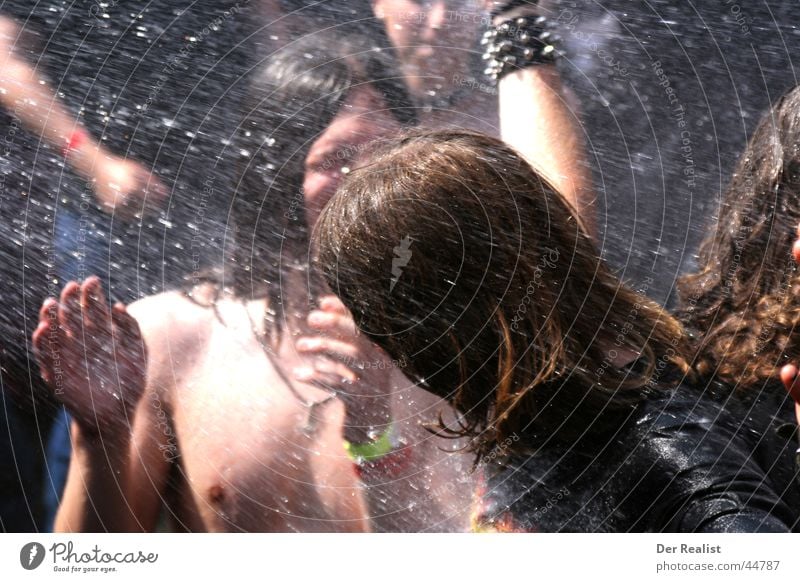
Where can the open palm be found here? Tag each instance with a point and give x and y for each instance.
(92, 357)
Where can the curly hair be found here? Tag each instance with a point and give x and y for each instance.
(453, 254)
(741, 301)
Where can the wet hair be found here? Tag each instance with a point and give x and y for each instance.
(742, 299)
(457, 258)
(290, 102)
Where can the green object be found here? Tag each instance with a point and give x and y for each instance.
(365, 452)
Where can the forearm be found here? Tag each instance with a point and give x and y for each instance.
(417, 485)
(537, 120)
(385, 479)
(95, 497)
(27, 97)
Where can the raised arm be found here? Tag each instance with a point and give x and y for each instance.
(94, 359)
(540, 119)
(117, 182)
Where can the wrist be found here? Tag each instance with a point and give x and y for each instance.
(93, 440)
(385, 456)
(517, 40)
(84, 155)
(371, 450)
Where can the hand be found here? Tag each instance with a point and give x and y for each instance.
(351, 365)
(93, 358)
(125, 186)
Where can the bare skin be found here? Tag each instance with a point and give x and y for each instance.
(238, 441)
(227, 438)
(530, 109)
(244, 452)
(120, 185)
(432, 493)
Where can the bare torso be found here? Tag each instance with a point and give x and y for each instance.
(249, 453)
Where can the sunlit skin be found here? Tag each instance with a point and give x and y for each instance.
(252, 455)
(121, 185)
(530, 109)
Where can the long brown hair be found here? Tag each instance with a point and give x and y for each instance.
(456, 257)
(742, 299)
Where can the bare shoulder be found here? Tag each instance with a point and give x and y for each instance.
(175, 329)
(170, 315)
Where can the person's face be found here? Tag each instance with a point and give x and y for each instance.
(362, 118)
(433, 39)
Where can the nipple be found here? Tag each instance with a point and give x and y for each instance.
(216, 493)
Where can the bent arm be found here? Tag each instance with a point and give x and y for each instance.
(540, 118)
(425, 483)
(115, 483)
(118, 469)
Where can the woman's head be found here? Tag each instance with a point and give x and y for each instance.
(305, 115)
(454, 255)
(742, 297)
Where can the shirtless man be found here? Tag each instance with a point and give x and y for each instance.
(226, 430)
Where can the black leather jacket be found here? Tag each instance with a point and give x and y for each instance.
(677, 464)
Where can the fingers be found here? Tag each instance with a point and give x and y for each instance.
(48, 311)
(333, 304)
(126, 332)
(328, 346)
(69, 311)
(327, 373)
(791, 381)
(125, 323)
(332, 322)
(333, 368)
(93, 304)
(46, 334)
